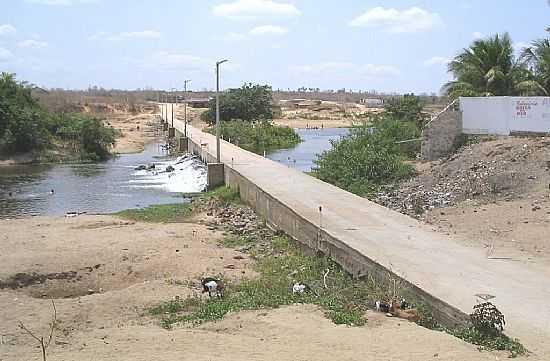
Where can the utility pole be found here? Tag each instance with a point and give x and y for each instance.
(172, 104)
(218, 158)
(185, 105)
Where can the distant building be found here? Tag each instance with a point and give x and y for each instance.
(198, 102)
(372, 102)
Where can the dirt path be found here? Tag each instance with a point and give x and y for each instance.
(115, 270)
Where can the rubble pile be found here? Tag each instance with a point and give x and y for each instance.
(502, 169)
(238, 220)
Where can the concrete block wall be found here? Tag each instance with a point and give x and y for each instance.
(440, 135)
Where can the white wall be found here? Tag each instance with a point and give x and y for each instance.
(504, 115)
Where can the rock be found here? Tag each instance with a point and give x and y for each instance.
(170, 169)
(141, 167)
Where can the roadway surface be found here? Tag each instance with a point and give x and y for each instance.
(437, 263)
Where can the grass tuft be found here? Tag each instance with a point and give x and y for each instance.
(164, 213)
(278, 270)
(224, 194)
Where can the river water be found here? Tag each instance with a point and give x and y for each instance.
(315, 141)
(99, 187)
(117, 184)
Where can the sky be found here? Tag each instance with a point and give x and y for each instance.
(385, 45)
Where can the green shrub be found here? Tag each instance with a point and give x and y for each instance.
(258, 136)
(408, 108)
(369, 157)
(25, 126)
(164, 213)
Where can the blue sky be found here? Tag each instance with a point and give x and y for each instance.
(390, 45)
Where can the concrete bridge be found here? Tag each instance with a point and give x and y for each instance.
(368, 239)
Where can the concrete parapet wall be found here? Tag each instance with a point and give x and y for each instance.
(282, 217)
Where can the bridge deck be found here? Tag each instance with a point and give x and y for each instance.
(436, 263)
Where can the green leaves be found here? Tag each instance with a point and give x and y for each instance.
(248, 103)
(26, 127)
(488, 67)
(258, 136)
(369, 157)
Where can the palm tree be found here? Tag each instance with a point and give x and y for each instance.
(537, 58)
(488, 67)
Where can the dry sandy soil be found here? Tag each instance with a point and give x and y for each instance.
(494, 194)
(137, 129)
(327, 115)
(116, 269)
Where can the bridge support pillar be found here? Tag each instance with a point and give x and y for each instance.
(164, 127)
(183, 144)
(215, 175)
(171, 132)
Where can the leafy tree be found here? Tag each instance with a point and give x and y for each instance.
(248, 103)
(488, 67)
(95, 139)
(537, 58)
(25, 126)
(21, 125)
(409, 108)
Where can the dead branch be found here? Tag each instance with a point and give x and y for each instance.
(43, 345)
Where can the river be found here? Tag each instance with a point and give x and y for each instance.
(315, 141)
(116, 184)
(98, 187)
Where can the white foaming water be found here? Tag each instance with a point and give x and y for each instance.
(189, 176)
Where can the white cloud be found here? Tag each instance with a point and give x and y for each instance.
(414, 19)
(5, 55)
(437, 60)
(33, 44)
(255, 9)
(478, 35)
(269, 30)
(60, 2)
(145, 34)
(367, 70)
(7, 29)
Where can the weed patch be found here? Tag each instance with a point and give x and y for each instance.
(164, 213)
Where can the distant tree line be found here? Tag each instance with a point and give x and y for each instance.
(27, 127)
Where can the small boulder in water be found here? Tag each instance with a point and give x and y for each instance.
(151, 166)
(170, 168)
(141, 167)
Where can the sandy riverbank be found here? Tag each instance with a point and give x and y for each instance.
(116, 269)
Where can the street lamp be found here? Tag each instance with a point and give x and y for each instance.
(176, 95)
(218, 109)
(185, 105)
